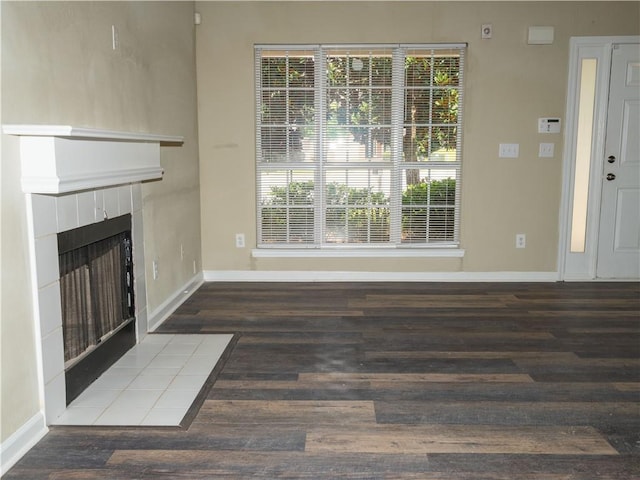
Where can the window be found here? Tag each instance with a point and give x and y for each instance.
(358, 145)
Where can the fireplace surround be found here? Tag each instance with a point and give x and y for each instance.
(74, 177)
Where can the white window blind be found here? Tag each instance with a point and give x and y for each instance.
(358, 145)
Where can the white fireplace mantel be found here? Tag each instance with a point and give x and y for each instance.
(73, 177)
(58, 159)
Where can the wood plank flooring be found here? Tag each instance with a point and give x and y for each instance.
(391, 381)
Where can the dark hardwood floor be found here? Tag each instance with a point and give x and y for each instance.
(392, 381)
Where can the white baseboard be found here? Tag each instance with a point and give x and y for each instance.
(21, 441)
(303, 276)
(166, 308)
(584, 278)
(578, 278)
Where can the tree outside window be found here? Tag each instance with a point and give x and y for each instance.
(358, 146)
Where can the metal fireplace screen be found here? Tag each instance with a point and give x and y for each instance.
(96, 285)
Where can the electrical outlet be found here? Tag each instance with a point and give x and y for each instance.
(239, 240)
(195, 267)
(155, 269)
(521, 240)
(181, 252)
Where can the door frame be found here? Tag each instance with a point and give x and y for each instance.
(580, 266)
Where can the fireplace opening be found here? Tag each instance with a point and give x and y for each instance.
(97, 297)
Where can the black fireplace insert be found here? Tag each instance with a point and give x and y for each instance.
(97, 296)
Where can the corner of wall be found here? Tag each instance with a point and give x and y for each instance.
(166, 308)
(21, 441)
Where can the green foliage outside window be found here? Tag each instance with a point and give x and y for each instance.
(356, 215)
(359, 215)
(430, 113)
(428, 211)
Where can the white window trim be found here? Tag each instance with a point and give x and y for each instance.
(391, 250)
(360, 252)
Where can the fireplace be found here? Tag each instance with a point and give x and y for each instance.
(77, 177)
(97, 299)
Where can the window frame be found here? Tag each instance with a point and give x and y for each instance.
(397, 165)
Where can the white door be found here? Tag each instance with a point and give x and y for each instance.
(619, 232)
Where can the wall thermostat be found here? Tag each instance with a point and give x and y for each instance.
(548, 125)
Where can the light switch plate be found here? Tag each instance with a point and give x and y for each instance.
(509, 150)
(546, 150)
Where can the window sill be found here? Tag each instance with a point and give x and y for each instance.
(432, 252)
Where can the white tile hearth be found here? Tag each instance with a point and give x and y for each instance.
(153, 384)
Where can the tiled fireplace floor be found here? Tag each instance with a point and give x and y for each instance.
(153, 384)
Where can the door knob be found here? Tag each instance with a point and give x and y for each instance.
(611, 159)
(611, 176)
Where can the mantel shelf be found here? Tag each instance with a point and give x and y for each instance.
(59, 159)
(68, 131)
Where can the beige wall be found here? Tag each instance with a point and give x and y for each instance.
(58, 67)
(509, 84)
